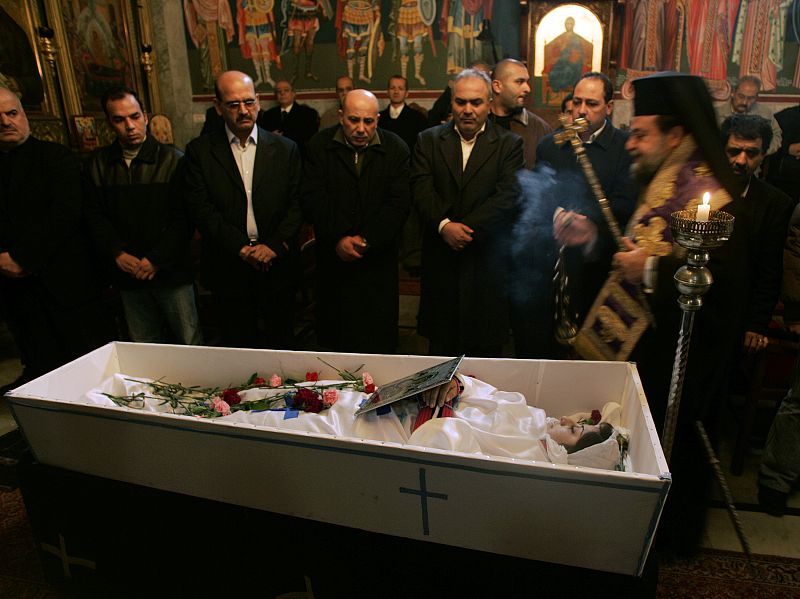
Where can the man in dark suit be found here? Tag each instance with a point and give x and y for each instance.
(398, 117)
(464, 185)
(296, 121)
(589, 241)
(356, 194)
(48, 293)
(241, 188)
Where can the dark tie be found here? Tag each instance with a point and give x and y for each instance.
(283, 116)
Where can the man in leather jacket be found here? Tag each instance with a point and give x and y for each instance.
(137, 220)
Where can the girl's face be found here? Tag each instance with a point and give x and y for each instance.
(567, 433)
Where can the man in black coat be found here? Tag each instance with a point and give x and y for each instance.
(138, 221)
(749, 266)
(465, 186)
(48, 291)
(398, 117)
(356, 194)
(296, 121)
(784, 166)
(589, 241)
(241, 189)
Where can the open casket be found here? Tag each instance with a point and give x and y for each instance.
(500, 505)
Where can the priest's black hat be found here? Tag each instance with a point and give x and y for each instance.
(686, 97)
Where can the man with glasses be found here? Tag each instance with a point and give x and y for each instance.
(241, 187)
(296, 121)
(744, 100)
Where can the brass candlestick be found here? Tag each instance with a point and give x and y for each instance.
(693, 280)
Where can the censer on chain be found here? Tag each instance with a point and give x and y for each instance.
(566, 328)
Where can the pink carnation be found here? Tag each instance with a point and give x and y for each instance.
(367, 378)
(329, 397)
(275, 381)
(221, 406)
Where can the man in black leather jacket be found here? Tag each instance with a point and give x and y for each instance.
(137, 220)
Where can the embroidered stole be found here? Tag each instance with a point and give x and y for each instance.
(618, 318)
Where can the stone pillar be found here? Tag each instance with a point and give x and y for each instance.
(172, 68)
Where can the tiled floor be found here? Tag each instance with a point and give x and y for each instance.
(767, 535)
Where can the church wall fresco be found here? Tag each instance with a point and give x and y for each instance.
(315, 41)
(312, 42)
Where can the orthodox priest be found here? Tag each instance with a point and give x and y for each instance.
(677, 155)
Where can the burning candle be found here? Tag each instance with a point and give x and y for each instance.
(704, 209)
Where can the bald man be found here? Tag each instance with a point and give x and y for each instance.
(356, 194)
(511, 87)
(48, 293)
(241, 188)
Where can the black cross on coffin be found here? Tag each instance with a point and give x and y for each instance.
(423, 499)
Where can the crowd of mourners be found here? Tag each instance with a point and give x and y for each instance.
(480, 197)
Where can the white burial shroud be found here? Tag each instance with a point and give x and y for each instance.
(486, 420)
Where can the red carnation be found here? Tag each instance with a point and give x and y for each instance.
(303, 397)
(369, 388)
(313, 404)
(259, 381)
(231, 397)
(312, 376)
(596, 416)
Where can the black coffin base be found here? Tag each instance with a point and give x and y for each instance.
(148, 543)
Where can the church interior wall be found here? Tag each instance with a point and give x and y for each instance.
(63, 47)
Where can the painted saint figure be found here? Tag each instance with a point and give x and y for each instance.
(257, 37)
(566, 58)
(461, 23)
(204, 19)
(412, 28)
(358, 26)
(758, 43)
(709, 36)
(302, 28)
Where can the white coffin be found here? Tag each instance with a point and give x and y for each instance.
(596, 519)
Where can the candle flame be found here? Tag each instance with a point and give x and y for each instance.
(706, 199)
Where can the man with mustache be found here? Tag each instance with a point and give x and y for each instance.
(139, 224)
(356, 194)
(677, 156)
(241, 188)
(465, 187)
(573, 219)
(754, 253)
(48, 293)
(744, 100)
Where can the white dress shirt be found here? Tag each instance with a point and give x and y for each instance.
(245, 157)
(466, 149)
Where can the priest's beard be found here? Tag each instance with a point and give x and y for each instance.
(644, 172)
(646, 166)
